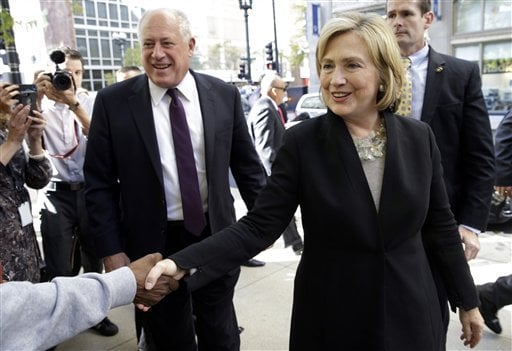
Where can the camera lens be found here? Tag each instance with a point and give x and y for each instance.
(61, 80)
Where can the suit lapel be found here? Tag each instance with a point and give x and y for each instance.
(435, 80)
(207, 104)
(139, 103)
(338, 138)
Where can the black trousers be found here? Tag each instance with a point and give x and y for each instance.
(498, 293)
(291, 235)
(67, 244)
(207, 313)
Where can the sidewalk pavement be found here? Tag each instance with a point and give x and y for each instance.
(263, 301)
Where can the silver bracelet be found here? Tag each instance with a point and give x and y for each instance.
(36, 157)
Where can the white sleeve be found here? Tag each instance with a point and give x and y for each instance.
(39, 316)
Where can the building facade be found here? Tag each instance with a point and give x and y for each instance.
(477, 30)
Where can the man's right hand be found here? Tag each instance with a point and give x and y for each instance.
(162, 288)
(115, 261)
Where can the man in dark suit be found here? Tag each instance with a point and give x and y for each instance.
(134, 182)
(496, 295)
(266, 127)
(446, 94)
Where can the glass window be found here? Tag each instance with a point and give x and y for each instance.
(497, 75)
(81, 44)
(497, 57)
(79, 31)
(105, 48)
(96, 74)
(89, 9)
(468, 16)
(98, 85)
(113, 11)
(102, 10)
(470, 53)
(124, 13)
(94, 50)
(498, 14)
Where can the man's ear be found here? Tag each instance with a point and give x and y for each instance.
(428, 18)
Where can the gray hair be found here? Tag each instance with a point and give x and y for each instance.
(267, 82)
(177, 15)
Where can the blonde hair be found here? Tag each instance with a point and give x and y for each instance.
(382, 49)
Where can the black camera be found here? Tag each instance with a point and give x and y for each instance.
(27, 96)
(61, 80)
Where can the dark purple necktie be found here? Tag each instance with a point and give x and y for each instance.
(193, 214)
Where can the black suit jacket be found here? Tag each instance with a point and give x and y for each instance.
(266, 130)
(364, 280)
(503, 151)
(454, 108)
(125, 192)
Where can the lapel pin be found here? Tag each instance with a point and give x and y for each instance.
(439, 69)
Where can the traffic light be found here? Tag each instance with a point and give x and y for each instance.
(270, 52)
(242, 74)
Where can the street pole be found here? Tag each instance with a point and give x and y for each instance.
(246, 5)
(275, 38)
(13, 60)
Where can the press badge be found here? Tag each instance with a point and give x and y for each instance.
(25, 213)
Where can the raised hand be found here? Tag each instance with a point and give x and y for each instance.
(7, 93)
(163, 286)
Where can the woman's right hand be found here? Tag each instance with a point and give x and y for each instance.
(18, 124)
(7, 94)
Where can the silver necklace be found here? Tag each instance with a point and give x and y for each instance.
(373, 145)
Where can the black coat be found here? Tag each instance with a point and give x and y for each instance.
(364, 281)
(503, 150)
(454, 107)
(124, 181)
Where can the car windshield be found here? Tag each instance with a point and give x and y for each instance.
(313, 102)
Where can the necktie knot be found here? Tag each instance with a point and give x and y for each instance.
(173, 93)
(406, 61)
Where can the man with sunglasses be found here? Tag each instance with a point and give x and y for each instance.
(266, 122)
(67, 244)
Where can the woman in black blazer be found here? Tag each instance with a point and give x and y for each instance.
(371, 191)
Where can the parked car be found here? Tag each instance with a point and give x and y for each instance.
(311, 104)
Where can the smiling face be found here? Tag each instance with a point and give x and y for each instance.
(166, 52)
(348, 78)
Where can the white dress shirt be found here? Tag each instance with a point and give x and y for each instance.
(63, 137)
(418, 70)
(189, 97)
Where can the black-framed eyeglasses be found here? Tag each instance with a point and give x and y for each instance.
(281, 88)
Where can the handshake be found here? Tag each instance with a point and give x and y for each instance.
(163, 284)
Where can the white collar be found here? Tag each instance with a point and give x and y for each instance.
(185, 87)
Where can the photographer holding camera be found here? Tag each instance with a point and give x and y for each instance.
(22, 164)
(67, 107)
